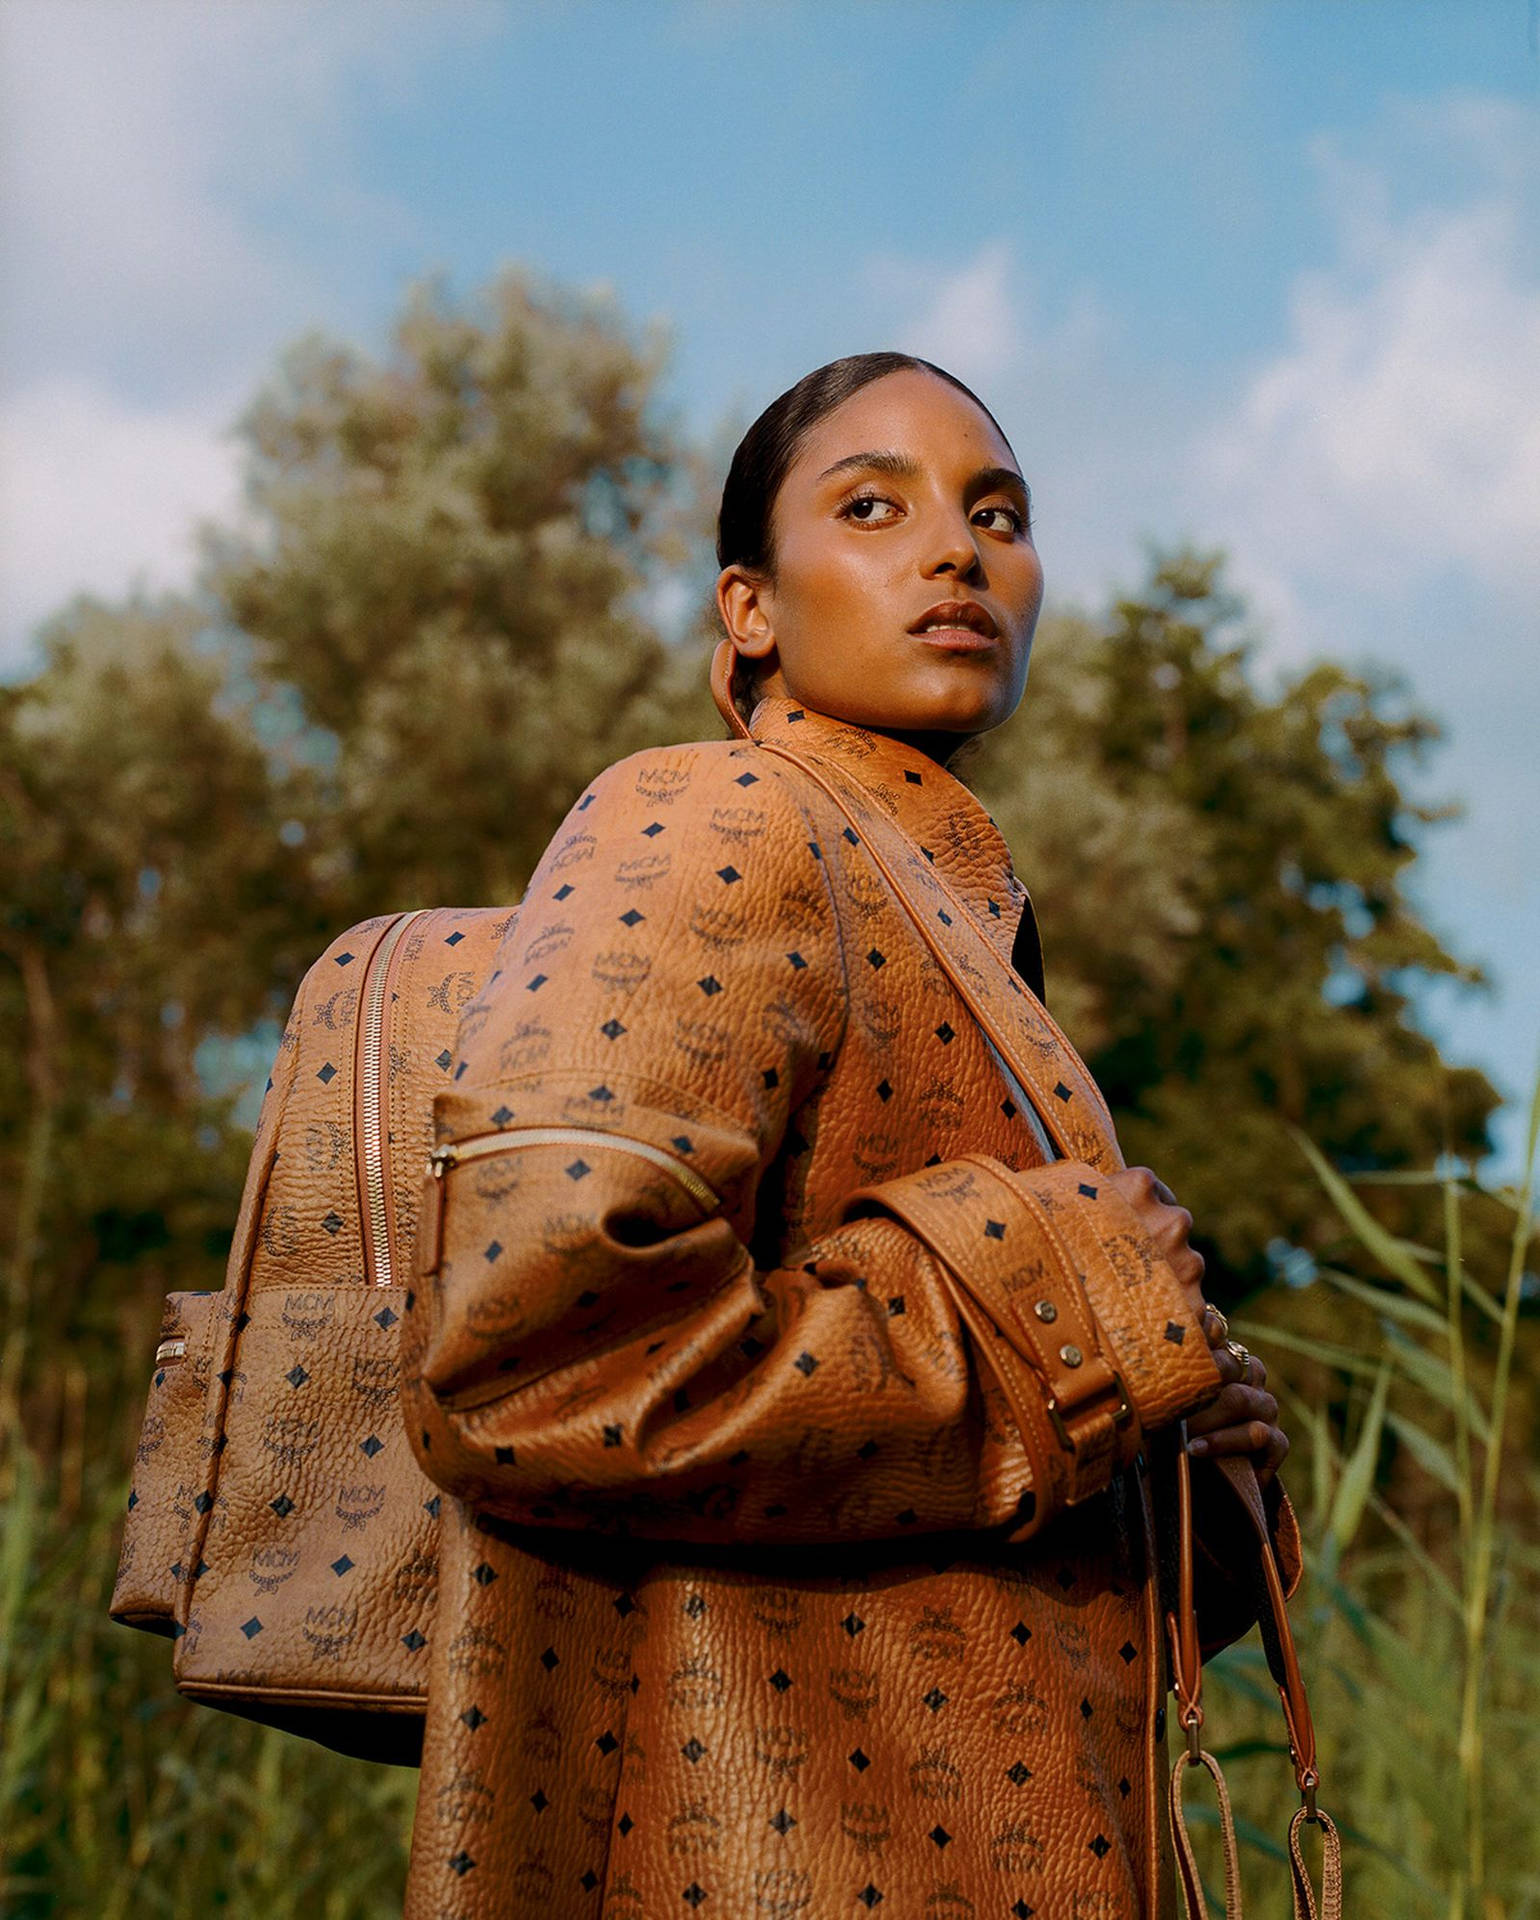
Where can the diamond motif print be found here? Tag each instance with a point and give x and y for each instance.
(859, 1761)
(693, 1894)
(342, 1566)
(327, 1074)
(370, 1447)
(780, 1679)
(473, 1717)
(939, 1834)
(296, 1376)
(252, 1627)
(935, 1699)
(332, 1222)
(462, 1863)
(782, 1821)
(538, 1801)
(1101, 1846)
(869, 1896)
(692, 1750)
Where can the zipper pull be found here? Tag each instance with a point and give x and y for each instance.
(430, 1216)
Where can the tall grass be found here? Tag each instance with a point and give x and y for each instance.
(1420, 1620)
(118, 1799)
(1419, 1626)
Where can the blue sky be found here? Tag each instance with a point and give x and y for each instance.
(1265, 275)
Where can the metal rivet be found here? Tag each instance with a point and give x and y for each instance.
(1071, 1356)
(1046, 1310)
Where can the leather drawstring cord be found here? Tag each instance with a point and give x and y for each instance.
(1283, 1663)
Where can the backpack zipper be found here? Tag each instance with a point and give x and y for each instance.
(374, 1115)
(480, 1145)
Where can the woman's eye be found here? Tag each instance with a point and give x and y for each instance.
(870, 510)
(1014, 521)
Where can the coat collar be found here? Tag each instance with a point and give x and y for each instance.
(935, 810)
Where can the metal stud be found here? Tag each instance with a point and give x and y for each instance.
(1071, 1356)
(1046, 1311)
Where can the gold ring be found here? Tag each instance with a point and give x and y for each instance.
(1241, 1354)
(1209, 1311)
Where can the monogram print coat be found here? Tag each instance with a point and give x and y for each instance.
(751, 1599)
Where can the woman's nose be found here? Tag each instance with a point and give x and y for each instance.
(953, 550)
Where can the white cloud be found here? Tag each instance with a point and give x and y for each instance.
(101, 497)
(157, 159)
(1397, 435)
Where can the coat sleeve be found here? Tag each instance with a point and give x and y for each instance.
(590, 1341)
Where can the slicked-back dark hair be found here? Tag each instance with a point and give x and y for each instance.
(766, 451)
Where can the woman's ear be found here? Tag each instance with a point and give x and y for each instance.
(742, 599)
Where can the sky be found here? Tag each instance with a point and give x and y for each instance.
(1259, 276)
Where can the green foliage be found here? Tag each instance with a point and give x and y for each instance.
(1419, 1492)
(1220, 875)
(445, 572)
(426, 635)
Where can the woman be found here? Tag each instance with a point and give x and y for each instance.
(760, 1593)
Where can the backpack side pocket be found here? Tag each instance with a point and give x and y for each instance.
(171, 1470)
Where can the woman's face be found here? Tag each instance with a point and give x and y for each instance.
(906, 584)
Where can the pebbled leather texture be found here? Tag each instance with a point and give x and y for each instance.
(731, 1617)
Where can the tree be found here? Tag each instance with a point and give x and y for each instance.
(149, 905)
(1220, 877)
(446, 567)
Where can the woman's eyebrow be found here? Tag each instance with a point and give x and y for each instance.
(899, 465)
(902, 467)
(988, 478)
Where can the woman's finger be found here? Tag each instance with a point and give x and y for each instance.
(1233, 1406)
(1253, 1437)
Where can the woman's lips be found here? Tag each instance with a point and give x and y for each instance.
(956, 640)
(957, 626)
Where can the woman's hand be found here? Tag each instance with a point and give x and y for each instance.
(1243, 1417)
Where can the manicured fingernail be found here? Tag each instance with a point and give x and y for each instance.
(1197, 1446)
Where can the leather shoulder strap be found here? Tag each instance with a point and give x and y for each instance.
(1013, 1019)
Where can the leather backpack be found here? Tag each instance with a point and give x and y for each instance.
(279, 1531)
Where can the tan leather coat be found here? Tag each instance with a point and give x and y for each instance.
(748, 1603)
